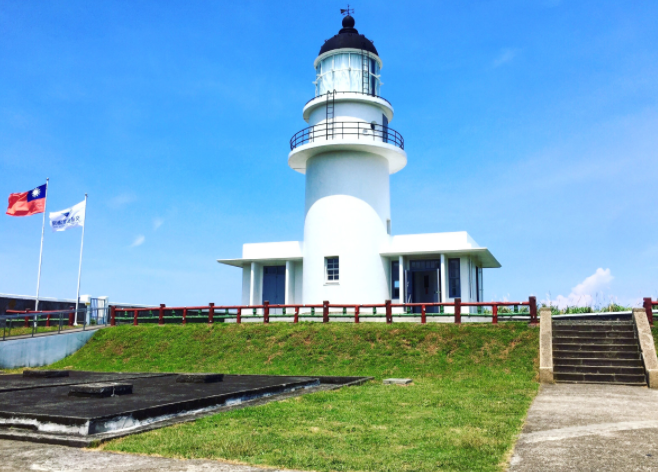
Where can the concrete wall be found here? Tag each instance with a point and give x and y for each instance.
(41, 350)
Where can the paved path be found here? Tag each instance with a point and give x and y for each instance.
(25, 456)
(585, 427)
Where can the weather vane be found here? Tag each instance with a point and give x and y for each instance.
(347, 11)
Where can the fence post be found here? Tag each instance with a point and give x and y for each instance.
(423, 315)
(325, 311)
(533, 310)
(184, 316)
(266, 311)
(238, 318)
(135, 319)
(649, 309)
(357, 309)
(296, 320)
(389, 312)
(113, 316)
(211, 313)
(494, 311)
(458, 310)
(161, 314)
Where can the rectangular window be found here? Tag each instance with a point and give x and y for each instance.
(480, 288)
(454, 279)
(331, 269)
(395, 280)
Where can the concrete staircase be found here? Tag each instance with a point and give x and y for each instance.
(605, 352)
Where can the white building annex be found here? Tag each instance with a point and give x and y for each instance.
(347, 154)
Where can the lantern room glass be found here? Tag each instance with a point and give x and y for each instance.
(343, 72)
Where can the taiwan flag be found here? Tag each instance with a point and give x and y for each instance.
(27, 203)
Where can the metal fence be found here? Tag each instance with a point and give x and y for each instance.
(341, 129)
(29, 323)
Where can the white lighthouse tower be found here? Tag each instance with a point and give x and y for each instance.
(347, 154)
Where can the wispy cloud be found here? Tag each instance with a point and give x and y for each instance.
(505, 56)
(585, 293)
(139, 240)
(157, 222)
(121, 200)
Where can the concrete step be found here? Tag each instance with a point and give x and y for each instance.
(601, 378)
(566, 354)
(572, 333)
(595, 347)
(598, 362)
(633, 384)
(591, 327)
(581, 369)
(589, 340)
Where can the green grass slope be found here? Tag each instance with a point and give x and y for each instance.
(472, 387)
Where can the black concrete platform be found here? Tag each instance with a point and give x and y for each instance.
(45, 410)
(9, 383)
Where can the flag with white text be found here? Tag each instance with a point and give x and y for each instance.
(69, 218)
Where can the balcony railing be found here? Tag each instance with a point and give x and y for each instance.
(341, 129)
(337, 93)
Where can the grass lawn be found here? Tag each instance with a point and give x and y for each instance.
(472, 387)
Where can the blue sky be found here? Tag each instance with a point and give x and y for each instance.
(533, 125)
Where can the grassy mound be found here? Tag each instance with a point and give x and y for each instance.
(472, 387)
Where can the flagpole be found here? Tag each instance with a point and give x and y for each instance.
(82, 242)
(43, 227)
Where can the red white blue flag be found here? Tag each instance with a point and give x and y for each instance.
(27, 203)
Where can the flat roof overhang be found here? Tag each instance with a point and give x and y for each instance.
(242, 262)
(483, 255)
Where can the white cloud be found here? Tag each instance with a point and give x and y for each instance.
(157, 222)
(121, 200)
(584, 293)
(505, 56)
(139, 240)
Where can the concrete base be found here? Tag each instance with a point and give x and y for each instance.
(647, 346)
(41, 350)
(545, 346)
(397, 381)
(157, 400)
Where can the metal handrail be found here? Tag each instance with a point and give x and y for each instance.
(360, 129)
(350, 91)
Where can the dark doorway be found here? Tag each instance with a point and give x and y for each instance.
(425, 283)
(426, 289)
(274, 284)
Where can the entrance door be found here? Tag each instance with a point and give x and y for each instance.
(425, 288)
(274, 284)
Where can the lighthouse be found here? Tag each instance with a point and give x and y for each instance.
(347, 153)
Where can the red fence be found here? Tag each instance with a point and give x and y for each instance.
(648, 307)
(348, 312)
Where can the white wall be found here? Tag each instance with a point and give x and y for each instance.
(361, 175)
(351, 111)
(299, 282)
(347, 205)
(246, 283)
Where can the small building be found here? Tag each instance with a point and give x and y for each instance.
(349, 254)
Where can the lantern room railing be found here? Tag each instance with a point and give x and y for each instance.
(341, 129)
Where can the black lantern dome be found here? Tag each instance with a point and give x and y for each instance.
(348, 37)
